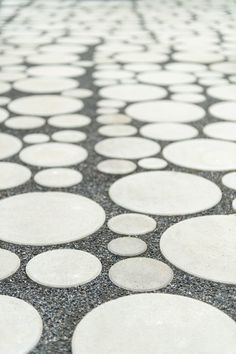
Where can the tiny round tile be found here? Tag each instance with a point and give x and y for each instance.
(53, 154)
(9, 145)
(24, 122)
(152, 163)
(223, 92)
(221, 130)
(13, 175)
(9, 263)
(131, 324)
(140, 274)
(116, 166)
(113, 119)
(58, 177)
(131, 224)
(224, 110)
(127, 246)
(44, 85)
(168, 131)
(63, 268)
(21, 325)
(127, 148)
(117, 130)
(48, 218)
(69, 136)
(165, 193)
(45, 105)
(69, 121)
(36, 138)
(229, 180)
(203, 246)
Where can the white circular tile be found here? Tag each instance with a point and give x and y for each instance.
(127, 148)
(198, 57)
(223, 92)
(224, 110)
(9, 145)
(55, 71)
(3, 114)
(112, 74)
(203, 246)
(165, 193)
(224, 67)
(45, 105)
(141, 67)
(188, 97)
(229, 180)
(165, 111)
(63, 49)
(132, 93)
(131, 224)
(186, 67)
(187, 89)
(44, 85)
(53, 154)
(168, 131)
(51, 58)
(221, 130)
(117, 130)
(48, 218)
(7, 60)
(116, 167)
(140, 274)
(152, 163)
(10, 77)
(36, 138)
(141, 57)
(24, 122)
(69, 136)
(165, 78)
(78, 93)
(107, 110)
(9, 263)
(4, 101)
(20, 324)
(4, 87)
(127, 246)
(163, 322)
(69, 121)
(63, 268)
(202, 154)
(13, 175)
(110, 103)
(113, 119)
(58, 177)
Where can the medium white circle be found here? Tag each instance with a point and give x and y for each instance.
(152, 163)
(9, 263)
(113, 119)
(24, 122)
(168, 131)
(45, 85)
(69, 121)
(127, 246)
(58, 177)
(36, 138)
(224, 110)
(116, 166)
(221, 130)
(132, 224)
(117, 130)
(69, 136)
(229, 180)
(13, 175)
(166, 78)
(56, 71)
(9, 145)
(223, 92)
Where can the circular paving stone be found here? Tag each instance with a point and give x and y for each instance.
(9, 263)
(4, 87)
(165, 193)
(10, 77)
(221, 130)
(48, 218)
(229, 180)
(198, 57)
(3, 102)
(187, 89)
(127, 246)
(58, 177)
(52, 58)
(141, 57)
(202, 154)
(188, 97)
(224, 110)
(168, 131)
(117, 130)
(140, 274)
(116, 167)
(131, 93)
(110, 103)
(25, 122)
(36, 138)
(186, 67)
(152, 163)
(44, 85)
(113, 119)
(3, 115)
(166, 78)
(132, 224)
(131, 324)
(45, 105)
(224, 67)
(69, 136)
(13, 175)
(53, 154)
(7, 60)
(20, 324)
(55, 71)
(78, 93)
(203, 246)
(63, 268)
(165, 111)
(9, 145)
(69, 121)
(127, 148)
(223, 92)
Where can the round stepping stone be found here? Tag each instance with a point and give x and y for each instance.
(107, 110)
(198, 57)
(213, 82)
(141, 67)
(131, 93)
(223, 92)
(198, 246)
(140, 274)
(45, 105)
(69, 121)
(3, 102)
(53, 154)
(63, 268)
(127, 246)
(55, 71)
(25, 122)
(221, 130)
(116, 167)
(48, 218)
(10, 77)
(7, 60)
(36, 138)
(44, 85)
(113, 119)
(127, 148)
(202, 154)
(165, 78)
(190, 98)
(224, 110)
(69, 136)
(52, 58)
(3, 115)
(141, 57)
(9, 263)
(58, 177)
(152, 163)
(132, 224)
(224, 67)
(168, 131)
(78, 93)
(165, 193)
(131, 324)
(229, 180)
(165, 111)
(112, 74)
(187, 89)
(4, 87)
(13, 175)
(61, 49)
(186, 67)
(21, 325)
(117, 130)
(111, 103)
(9, 145)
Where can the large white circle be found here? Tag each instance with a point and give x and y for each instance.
(223, 92)
(53, 154)
(131, 224)
(224, 110)
(166, 78)
(45, 105)
(45, 85)
(168, 131)
(162, 323)
(127, 147)
(165, 193)
(13, 175)
(203, 246)
(63, 268)
(25, 122)
(20, 325)
(202, 154)
(9, 145)
(165, 111)
(9, 263)
(48, 218)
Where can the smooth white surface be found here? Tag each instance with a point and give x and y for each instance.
(3, 114)
(45, 85)
(69, 121)
(221, 130)
(131, 224)
(152, 163)
(113, 119)
(58, 177)
(116, 166)
(25, 122)
(127, 246)
(55, 71)
(117, 130)
(36, 138)
(9, 145)
(69, 136)
(224, 110)
(13, 175)
(9, 263)
(166, 78)
(168, 131)
(223, 92)
(229, 180)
